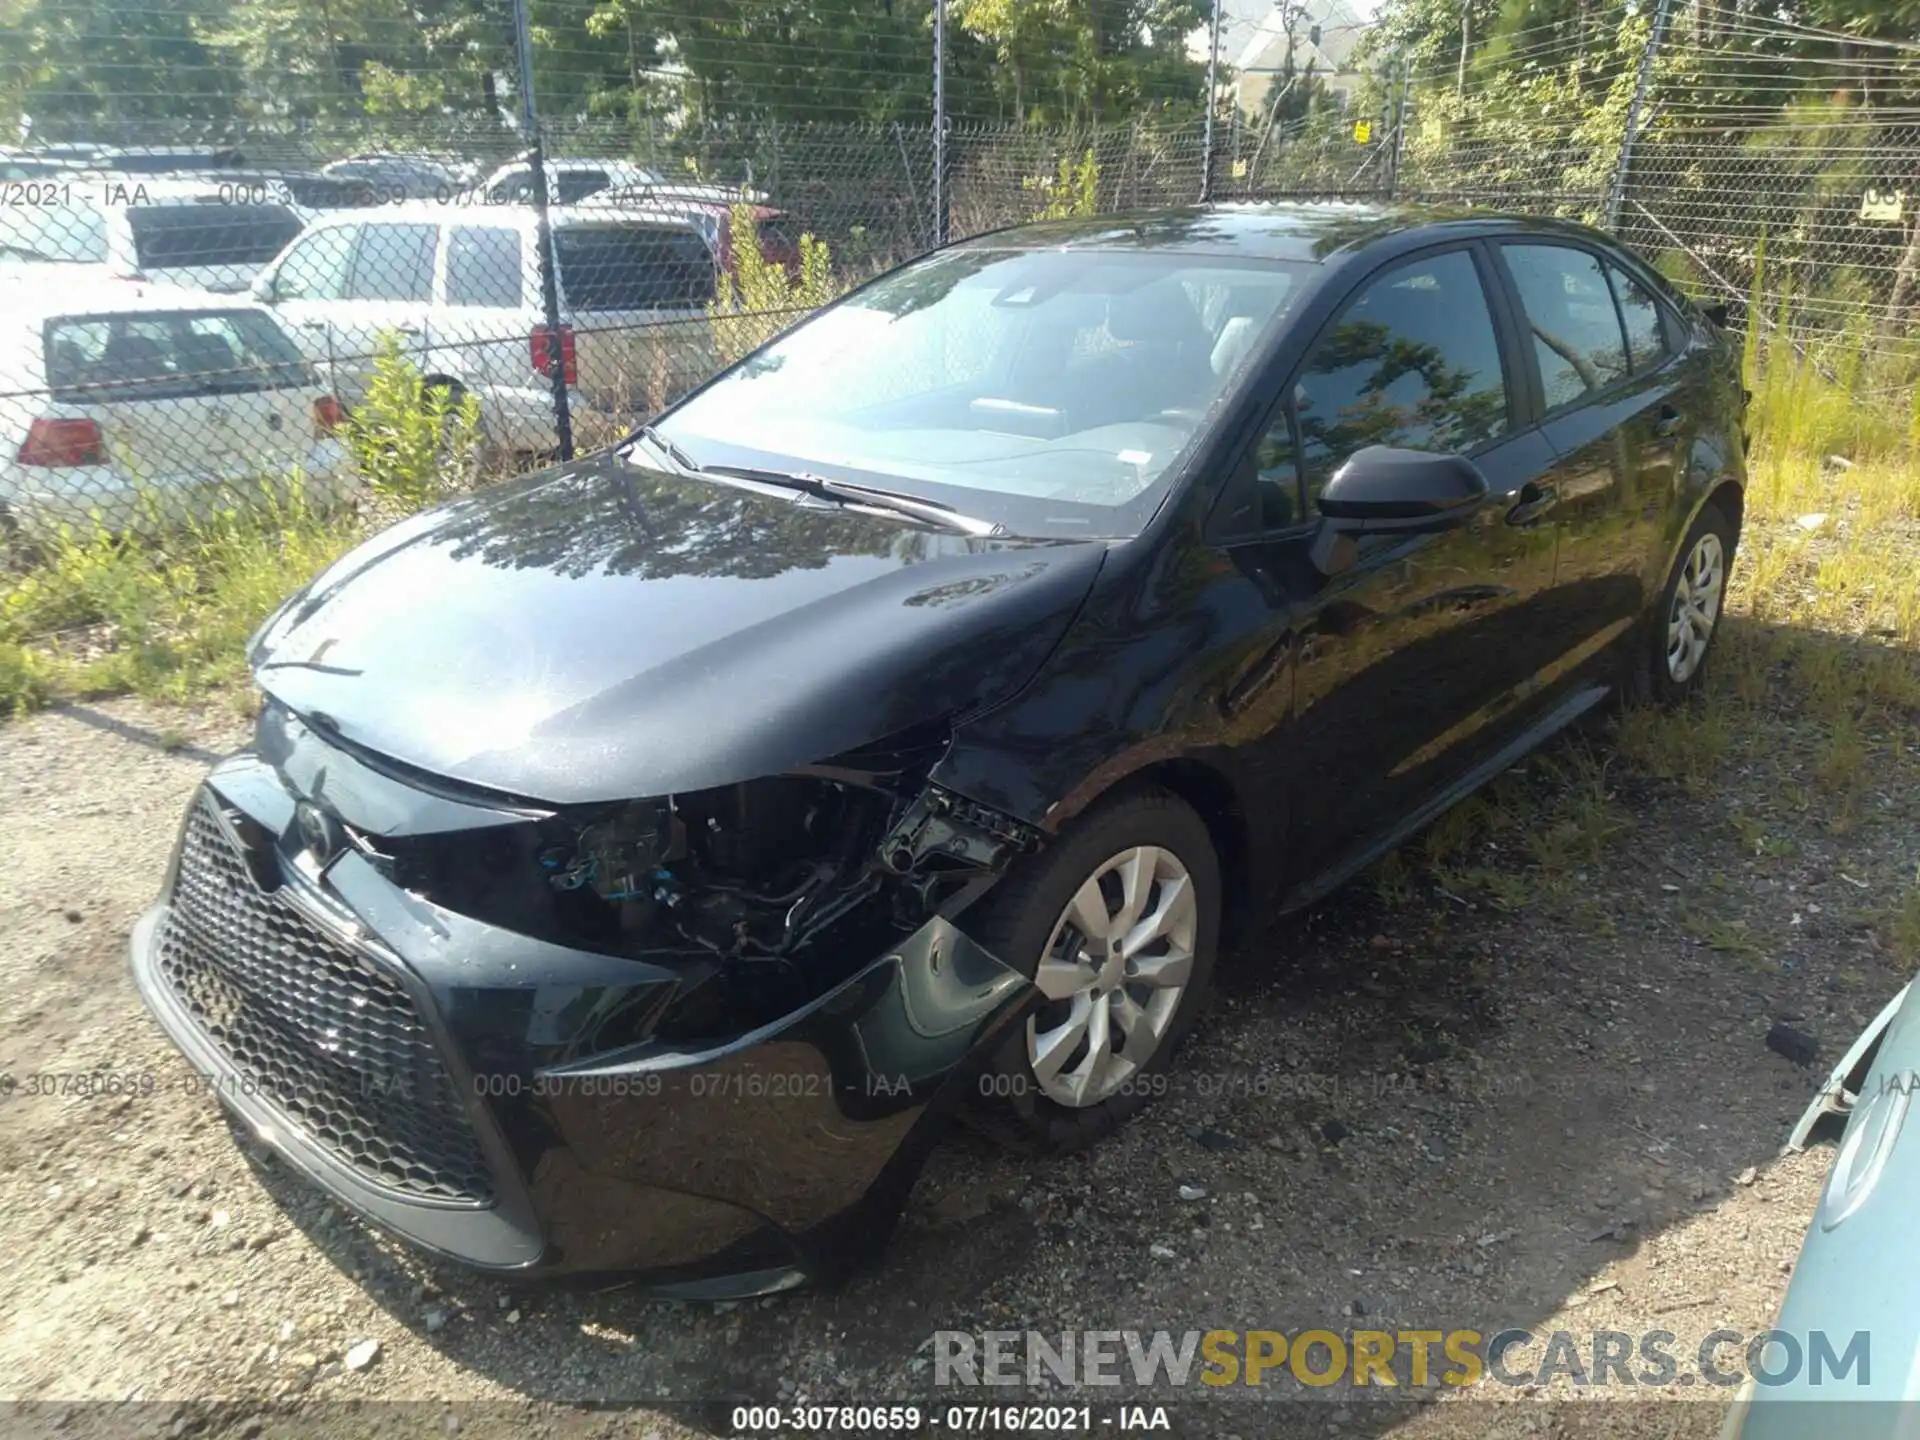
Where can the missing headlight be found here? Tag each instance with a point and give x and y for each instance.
(620, 857)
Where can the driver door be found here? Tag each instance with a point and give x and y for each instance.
(305, 288)
(1418, 663)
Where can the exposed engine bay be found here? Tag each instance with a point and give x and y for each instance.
(761, 894)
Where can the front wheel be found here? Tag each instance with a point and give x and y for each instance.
(1116, 924)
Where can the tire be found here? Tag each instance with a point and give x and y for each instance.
(1683, 627)
(1146, 833)
(456, 395)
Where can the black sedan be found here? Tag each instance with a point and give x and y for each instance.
(634, 863)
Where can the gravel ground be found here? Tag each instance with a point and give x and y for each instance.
(1427, 1113)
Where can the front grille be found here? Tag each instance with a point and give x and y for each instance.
(327, 1037)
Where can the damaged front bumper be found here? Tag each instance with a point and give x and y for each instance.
(530, 1107)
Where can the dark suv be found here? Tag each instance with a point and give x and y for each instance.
(634, 862)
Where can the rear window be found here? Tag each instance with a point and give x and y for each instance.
(94, 359)
(323, 191)
(210, 234)
(633, 267)
(165, 162)
(778, 235)
(576, 185)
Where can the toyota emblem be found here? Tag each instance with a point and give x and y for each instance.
(319, 831)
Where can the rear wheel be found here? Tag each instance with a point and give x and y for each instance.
(1117, 925)
(454, 395)
(1687, 618)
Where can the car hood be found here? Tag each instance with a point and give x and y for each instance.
(602, 630)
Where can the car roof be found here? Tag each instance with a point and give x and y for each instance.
(32, 297)
(515, 216)
(664, 200)
(1325, 232)
(154, 188)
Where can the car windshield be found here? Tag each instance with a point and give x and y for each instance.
(1053, 391)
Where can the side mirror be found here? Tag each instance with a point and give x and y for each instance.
(1716, 313)
(1386, 491)
(261, 288)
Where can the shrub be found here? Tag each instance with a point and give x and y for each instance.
(759, 299)
(1074, 191)
(412, 442)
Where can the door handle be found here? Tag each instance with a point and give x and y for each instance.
(1534, 500)
(406, 329)
(1668, 423)
(310, 324)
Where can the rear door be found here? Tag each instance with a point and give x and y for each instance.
(389, 292)
(636, 295)
(483, 331)
(1608, 411)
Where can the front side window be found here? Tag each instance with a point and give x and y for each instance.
(1054, 391)
(1413, 361)
(394, 263)
(316, 268)
(1570, 314)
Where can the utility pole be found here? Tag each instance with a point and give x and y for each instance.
(543, 236)
(1213, 104)
(1399, 129)
(1466, 45)
(1616, 196)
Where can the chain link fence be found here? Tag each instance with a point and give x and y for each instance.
(195, 310)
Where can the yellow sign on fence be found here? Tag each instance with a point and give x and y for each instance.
(1883, 205)
(1362, 131)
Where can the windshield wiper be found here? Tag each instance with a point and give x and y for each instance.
(27, 252)
(668, 448)
(824, 487)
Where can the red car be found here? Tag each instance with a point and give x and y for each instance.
(710, 209)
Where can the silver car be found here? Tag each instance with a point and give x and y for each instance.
(1845, 1357)
(143, 403)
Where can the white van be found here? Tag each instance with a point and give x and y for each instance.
(461, 289)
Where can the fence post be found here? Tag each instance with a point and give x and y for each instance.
(1213, 104)
(1617, 193)
(1399, 128)
(543, 235)
(940, 197)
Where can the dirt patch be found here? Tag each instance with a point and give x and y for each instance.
(1518, 1080)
